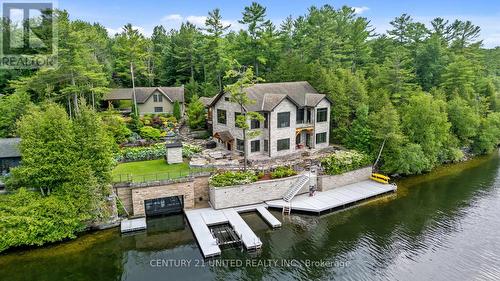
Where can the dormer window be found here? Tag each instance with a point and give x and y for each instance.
(157, 98)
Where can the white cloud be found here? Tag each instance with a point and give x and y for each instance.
(197, 20)
(360, 10)
(172, 17)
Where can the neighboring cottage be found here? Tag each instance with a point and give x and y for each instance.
(9, 154)
(296, 116)
(149, 99)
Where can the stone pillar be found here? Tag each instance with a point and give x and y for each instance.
(174, 154)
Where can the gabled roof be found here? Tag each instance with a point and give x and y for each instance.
(142, 94)
(9, 148)
(224, 136)
(206, 101)
(267, 96)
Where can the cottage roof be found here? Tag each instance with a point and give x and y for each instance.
(9, 148)
(142, 94)
(206, 101)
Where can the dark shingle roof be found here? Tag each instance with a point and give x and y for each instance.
(9, 148)
(267, 96)
(143, 93)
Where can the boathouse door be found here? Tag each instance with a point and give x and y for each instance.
(164, 205)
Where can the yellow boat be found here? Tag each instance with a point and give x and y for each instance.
(380, 178)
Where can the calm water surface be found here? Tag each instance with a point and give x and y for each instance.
(440, 226)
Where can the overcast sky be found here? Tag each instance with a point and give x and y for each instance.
(146, 14)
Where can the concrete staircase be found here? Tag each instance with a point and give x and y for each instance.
(296, 186)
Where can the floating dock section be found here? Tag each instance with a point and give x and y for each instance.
(335, 198)
(135, 224)
(268, 217)
(201, 220)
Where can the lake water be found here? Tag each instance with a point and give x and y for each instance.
(441, 226)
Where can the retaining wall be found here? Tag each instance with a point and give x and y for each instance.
(326, 182)
(254, 193)
(132, 195)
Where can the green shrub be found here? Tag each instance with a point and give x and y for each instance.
(177, 110)
(232, 178)
(155, 151)
(283, 172)
(344, 161)
(116, 126)
(150, 133)
(30, 219)
(188, 150)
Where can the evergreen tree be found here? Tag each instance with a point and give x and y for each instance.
(196, 113)
(177, 110)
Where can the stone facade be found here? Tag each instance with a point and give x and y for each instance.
(192, 189)
(283, 133)
(139, 195)
(253, 193)
(326, 182)
(322, 127)
(272, 134)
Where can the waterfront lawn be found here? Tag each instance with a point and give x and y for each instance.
(150, 170)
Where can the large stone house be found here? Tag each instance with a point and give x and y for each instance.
(296, 116)
(149, 99)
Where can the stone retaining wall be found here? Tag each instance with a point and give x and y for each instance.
(132, 195)
(326, 182)
(254, 193)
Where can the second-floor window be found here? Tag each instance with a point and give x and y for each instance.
(283, 119)
(157, 98)
(236, 114)
(300, 115)
(254, 124)
(266, 120)
(322, 114)
(221, 116)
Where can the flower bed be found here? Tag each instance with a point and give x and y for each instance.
(344, 161)
(155, 151)
(232, 178)
(283, 172)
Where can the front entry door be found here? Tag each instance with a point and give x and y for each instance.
(308, 140)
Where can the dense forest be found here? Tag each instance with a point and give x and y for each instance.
(427, 94)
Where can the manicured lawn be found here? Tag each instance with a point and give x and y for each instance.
(151, 170)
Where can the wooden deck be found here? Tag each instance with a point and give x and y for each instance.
(335, 198)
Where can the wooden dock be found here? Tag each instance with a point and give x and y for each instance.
(336, 198)
(200, 221)
(135, 224)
